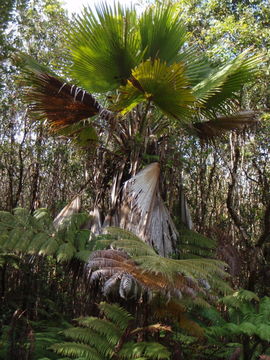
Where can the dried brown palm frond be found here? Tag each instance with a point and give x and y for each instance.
(144, 213)
(66, 213)
(217, 127)
(60, 103)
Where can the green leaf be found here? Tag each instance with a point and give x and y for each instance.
(248, 328)
(263, 331)
(219, 89)
(165, 86)
(65, 252)
(119, 316)
(162, 33)
(104, 45)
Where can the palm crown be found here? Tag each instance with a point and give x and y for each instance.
(155, 83)
(141, 59)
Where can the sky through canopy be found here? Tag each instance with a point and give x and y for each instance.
(75, 6)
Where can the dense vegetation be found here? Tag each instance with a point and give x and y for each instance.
(160, 165)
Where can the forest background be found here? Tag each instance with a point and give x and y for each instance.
(226, 182)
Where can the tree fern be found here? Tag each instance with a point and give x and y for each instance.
(22, 232)
(194, 245)
(248, 321)
(111, 337)
(134, 257)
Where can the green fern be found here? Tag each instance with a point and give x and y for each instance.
(134, 257)
(22, 232)
(108, 338)
(248, 322)
(194, 245)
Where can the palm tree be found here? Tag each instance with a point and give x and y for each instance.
(151, 85)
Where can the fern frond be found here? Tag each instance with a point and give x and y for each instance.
(103, 327)
(264, 307)
(144, 349)
(263, 331)
(65, 252)
(119, 316)
(77, 350)
(155, 272)
(193, 244)
(35, 234)
(103, 339)
(238, 298)
(7, 220)
(90, 337)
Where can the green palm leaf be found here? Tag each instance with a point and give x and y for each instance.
(166, 86)
(104, 44)
(162, 33)
(219, 91)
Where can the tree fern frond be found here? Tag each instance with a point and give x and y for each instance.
(111, 285)
(89, 337)
(129, 287)
(264, 307)
(106, 328)
(238, 298)
(101, 274)
(49, 247)
(6, 220)
(74, 349)
(263, 331)
(194, 244)
(119, 316)
(144, 349)
(155, 272)
(190, 326)
(65, 252)
(108, 339)
(36, 235)
(82, 255)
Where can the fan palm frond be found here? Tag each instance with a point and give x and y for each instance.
(218, 91)
(166, 86)
(60, 103)
(162, 33)
(104, 44)
(217, 127)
